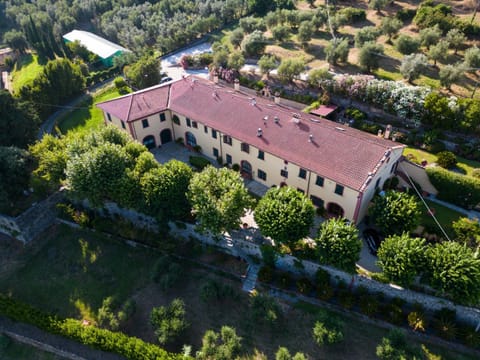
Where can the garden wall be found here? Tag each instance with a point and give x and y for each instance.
(239, 247)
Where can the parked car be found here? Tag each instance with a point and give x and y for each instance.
(165, 79)
(373, 240)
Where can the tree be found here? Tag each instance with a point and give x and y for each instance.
(284, 214)
(454, 270)
(412, 66)
(283, 354)
(393, 346)
(235, 60)
(328, 329)
(289, 69)
(219, 199)
(472, 58)
(406, 44)
(16, 40)
(455, 38)
(450, 74)
(267, 63)
(317, 76)
(437, 111)
(19, 121)
(390, 27)
(338, 244)
(254, 44)
(337, 50)
(236, 37)
(430, 36)
(51, 156)
(377, 4)
(220, 57)
(467, 232)
(395, 213)
(281, 33)
(401, 258)
(78, 50)
(305, 32)
(366, 34)
(438, 52)
(144, 73)
(369, 56)
(224, 346)
(169, 321)
(446, 159)
(15, 166)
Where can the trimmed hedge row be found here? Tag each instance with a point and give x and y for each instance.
(106, 340)
(199, 162)
(457, 189)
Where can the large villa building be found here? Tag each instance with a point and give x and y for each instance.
(338, 167)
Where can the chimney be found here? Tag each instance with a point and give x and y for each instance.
(277, 98)
(259, 132)
(310, 138)
(379, 134)
(388, 130)
(236, 85)
(253, 102)
(276, 119)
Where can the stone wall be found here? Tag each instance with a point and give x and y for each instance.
(240, 247)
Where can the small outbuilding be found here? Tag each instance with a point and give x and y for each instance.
(97, 45)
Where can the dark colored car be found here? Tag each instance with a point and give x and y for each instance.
(165, 79)
(373, 240)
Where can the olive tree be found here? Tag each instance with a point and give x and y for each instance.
(225, 345)
(390, 27)
(412, 66)
(456, 38)
(370, 54)
(169, 321)
(284, 214)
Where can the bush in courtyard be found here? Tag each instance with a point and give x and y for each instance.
(198, 162)
(446, 159)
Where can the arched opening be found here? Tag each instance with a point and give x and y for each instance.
(335, 210)
(190, 139)
(246, 169)
(149, 142)
(165, 136)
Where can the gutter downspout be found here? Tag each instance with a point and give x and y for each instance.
(357, 207)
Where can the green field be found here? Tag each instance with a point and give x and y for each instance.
(444, 215)
(25, 70)
(86, 115)
(465, 165)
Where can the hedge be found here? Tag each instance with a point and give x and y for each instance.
(457, 189)
(106, 340)
(199, 162)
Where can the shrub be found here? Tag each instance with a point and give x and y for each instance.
(265, 274)
(328, 329)
(119, 82)
(213, 290)
(405, 14)
(417, 321)
(236, 167)
(446, 159)
(393, 313)
(304, 285)
(199, 162)
(169, 321)
(322, 278)
(457, 189)
(368, 304)
(345, 298)
(325, 292)
(353, 15)
(285, 280)
(470, 336)
(476, 173)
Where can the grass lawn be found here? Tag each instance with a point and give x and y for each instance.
(12, 350)
(444, 215)
(75, 270)
(466, 166)
(25, 70)
(87, 116)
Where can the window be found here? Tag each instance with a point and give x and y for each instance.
(145, 123)
(195, 124)
(245, 147)
(176, 120)
(262, 175)
(123, 124)
(215, 152)
(319, 181)
(109, 117)
(227, 139)
(189, 123)
(162, 117)
(339, 189)
(214, 134)
(378, 182)
(302, 174)
(317, 201)
(284, 173)
(205, 129)
(229, 159)
(261, 155)
(301, 190)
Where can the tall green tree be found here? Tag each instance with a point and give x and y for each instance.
(430, 36)
(19, 121)
(338, 244)
(337, 51)
(390, 27)
(219, 199)
(144, 73)
(284, 214)
(454, 270)
(16, 40)
(15, 166)
(395, 213)
(267, 63)
(369, 56)
(305, 32)
(51, 157)
(401, 258)
(289, 69)
(254, 44)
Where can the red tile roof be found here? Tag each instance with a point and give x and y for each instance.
(139, 104)
(324, 110)
(342, 154)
